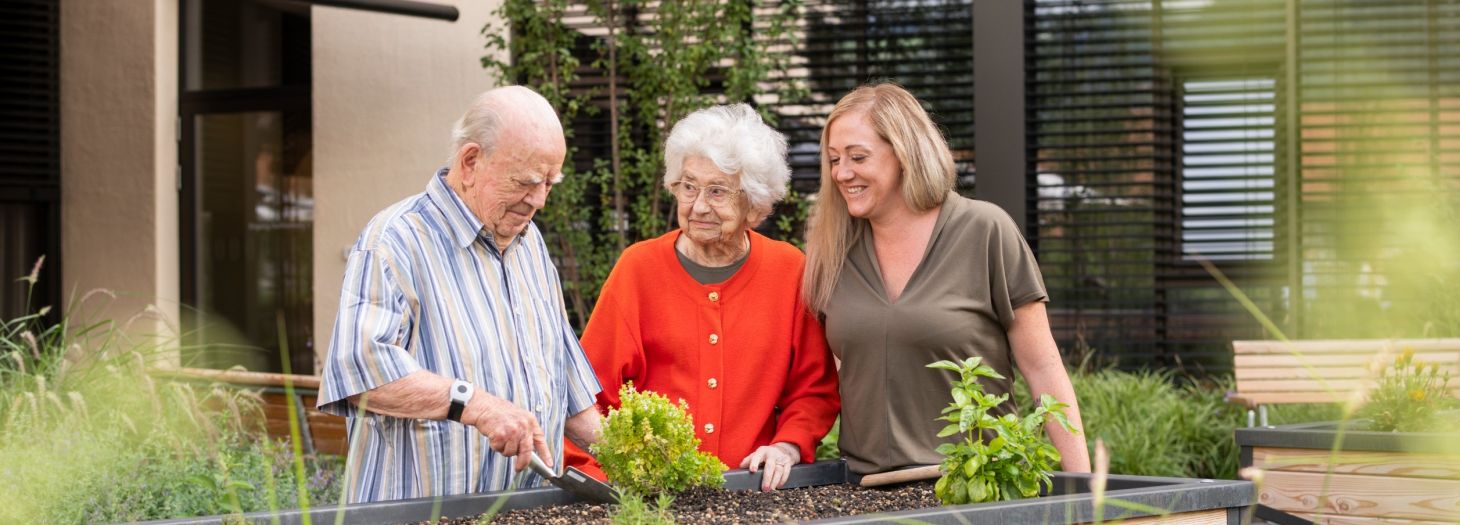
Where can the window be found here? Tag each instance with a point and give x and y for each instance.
(1227, 169)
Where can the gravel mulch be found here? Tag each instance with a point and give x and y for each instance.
(713, 506)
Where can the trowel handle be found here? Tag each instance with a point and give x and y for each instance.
(539, 467)
(901, 476)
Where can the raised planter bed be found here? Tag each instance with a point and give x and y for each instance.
(1188, 501)
(1374, 476)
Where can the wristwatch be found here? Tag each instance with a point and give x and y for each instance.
(461, 392)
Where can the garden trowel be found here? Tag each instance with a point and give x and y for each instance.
(574, 481)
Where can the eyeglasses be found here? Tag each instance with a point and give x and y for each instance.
(715, 194)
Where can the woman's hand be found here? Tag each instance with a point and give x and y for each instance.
(777, 459)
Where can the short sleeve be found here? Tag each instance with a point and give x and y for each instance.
(583, 385)
(1014, 277)
(367, 349)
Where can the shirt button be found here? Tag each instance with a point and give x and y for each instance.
(713, 383)
(714, 296)
(714, 339)
(709, 428)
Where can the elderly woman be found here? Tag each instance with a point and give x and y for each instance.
(712, 313)
(907, 272)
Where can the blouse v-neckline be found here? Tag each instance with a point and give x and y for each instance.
(869, 248)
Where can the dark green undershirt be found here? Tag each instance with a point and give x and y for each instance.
(710, 274)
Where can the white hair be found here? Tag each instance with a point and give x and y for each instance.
(483, 121)
(480, 124)
(737, 141)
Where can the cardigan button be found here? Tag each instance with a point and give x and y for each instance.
(709, 428)
(714, 296)
(714, 339)
(713, 383)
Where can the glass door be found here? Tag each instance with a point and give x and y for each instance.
(245, 177)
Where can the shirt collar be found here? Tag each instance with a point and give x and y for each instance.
(465, 226)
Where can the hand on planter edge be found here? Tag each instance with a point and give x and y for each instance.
(777, 458)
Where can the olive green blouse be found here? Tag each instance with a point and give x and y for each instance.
(959, 302)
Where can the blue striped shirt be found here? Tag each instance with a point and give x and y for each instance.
(427, 289)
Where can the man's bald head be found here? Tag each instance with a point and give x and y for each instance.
(530, 118)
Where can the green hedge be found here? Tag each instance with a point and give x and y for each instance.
(1156, 425)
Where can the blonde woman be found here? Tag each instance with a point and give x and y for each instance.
(906, 272)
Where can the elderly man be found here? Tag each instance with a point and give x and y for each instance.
(452, 353)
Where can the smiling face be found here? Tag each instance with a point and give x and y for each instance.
(708, 225)
(864, 167)
(507, 188)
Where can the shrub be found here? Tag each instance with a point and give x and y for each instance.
(1014, 463)
(88, 436)
(1154, 427)
(649, 446)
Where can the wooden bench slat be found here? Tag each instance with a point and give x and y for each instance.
(1252, 400)
(1302, 361)
(1340, 346)
(1336, 372)
(1336, 360)
(1332, 386)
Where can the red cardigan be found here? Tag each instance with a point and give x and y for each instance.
(745, 354)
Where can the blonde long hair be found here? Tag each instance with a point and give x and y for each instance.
(927, 178)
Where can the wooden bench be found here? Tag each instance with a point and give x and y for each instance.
(1324, 371)
(320, 432)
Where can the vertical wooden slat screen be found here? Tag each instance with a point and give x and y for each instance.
(30, 166)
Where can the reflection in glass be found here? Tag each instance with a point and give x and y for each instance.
(254, 255)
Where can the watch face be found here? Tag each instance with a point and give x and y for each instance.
(461, 389)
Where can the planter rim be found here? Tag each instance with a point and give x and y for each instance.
(1071, 503)
(1322, 435)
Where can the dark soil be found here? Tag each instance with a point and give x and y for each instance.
(713, 506)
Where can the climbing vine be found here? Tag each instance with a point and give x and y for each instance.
(661, 61)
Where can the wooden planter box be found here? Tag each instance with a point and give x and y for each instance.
(1189, 502)
(1375, 477)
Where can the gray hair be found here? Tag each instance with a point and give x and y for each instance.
(480, 124)
(737, 141)
(529, 113)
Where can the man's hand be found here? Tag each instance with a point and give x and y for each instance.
(777, 460)
(512, 431)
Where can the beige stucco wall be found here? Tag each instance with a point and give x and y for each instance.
(386, 91)
(119, 153)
